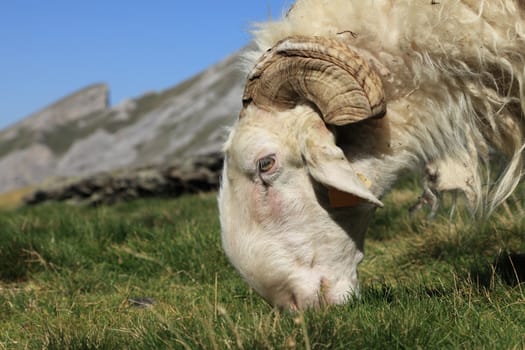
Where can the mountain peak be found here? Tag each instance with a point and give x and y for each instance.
(80, 135)
(90, 99)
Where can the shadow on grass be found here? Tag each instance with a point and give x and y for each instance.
(14, 262)
(508, 266)
(390, 294)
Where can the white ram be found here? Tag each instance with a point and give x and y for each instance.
(343, 97)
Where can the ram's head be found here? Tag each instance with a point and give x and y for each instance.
(293, 209)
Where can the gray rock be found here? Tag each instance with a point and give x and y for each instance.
(200, 174)
(80, 136)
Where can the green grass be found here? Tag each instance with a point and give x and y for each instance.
(67, 275)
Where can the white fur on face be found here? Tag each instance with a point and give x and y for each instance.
(277, 229)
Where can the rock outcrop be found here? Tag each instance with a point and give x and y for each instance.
(200, 174)
(89, 100)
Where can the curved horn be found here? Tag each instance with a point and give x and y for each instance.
(320, 71)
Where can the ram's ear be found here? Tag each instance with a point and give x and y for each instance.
(327, 164)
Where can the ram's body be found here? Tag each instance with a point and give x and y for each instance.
(452, 82)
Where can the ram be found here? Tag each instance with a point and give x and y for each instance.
(344, 96)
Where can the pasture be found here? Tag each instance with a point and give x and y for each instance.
(151, 274)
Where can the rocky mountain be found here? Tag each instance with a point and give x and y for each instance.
(81, 135)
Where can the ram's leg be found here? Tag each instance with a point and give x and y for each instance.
(427, 198)
(448, 175)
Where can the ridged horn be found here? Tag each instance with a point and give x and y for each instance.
(320, 71)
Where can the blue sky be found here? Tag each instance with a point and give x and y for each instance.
(51, 48)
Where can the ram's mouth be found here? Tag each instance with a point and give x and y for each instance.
(324, 291)
(319, 300)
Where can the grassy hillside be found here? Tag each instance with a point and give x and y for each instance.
(152, 275)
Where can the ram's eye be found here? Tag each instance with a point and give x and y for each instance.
(266, 164)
